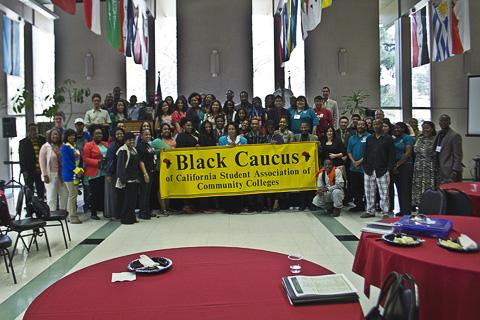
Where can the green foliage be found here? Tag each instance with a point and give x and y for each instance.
(387, 49)
(354, 103)
(22, 101)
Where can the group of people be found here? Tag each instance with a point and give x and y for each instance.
(119, 171)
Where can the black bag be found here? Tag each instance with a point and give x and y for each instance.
(40, 208)
(398, 297)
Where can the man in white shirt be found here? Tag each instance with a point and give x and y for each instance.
(330, 185)
(331, 104)
(98, 116)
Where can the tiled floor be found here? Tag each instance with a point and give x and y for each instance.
(306, 233)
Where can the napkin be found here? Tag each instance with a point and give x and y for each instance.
(147, 262)
(124, 276)
(466, 242)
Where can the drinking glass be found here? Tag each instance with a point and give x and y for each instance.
(295, 267)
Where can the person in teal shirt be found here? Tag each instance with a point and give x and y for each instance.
(302, 113)
(402, 172)
(355, 151)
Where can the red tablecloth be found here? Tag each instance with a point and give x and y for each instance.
(468, 188)
(204, 283)
(448, 282)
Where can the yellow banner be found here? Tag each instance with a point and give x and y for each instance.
(239, 170)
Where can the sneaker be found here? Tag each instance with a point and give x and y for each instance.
(144, 216)
(367, 215)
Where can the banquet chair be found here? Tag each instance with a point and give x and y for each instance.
(458, 203)
(5, 243)
(433, 201)
(27, 227)
(53, 218)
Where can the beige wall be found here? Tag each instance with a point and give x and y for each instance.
(73, 41)
(223, 25)
(353, 25)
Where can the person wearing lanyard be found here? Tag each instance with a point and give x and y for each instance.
(94, 159)
(324, 116)
(302, 113)
(448, 145)
(403, 169)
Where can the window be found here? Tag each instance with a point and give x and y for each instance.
(388, 67)
(43, 43)
(14, 84)
(263, 44)
(136, 80)
(166, 48)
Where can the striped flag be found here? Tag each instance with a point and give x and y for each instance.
(420, 55)
(11, 46)
(460, 26)
(441, 32)
(92, 15)
(287, 9)
(311, 15)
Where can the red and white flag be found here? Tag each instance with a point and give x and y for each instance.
(460, 26)
(92, 15)
(69, 6)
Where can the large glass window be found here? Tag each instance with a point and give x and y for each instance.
(388, 67)
(136, 79)
(166, 46)
(43, 43)
(15, 84)
(263, 43)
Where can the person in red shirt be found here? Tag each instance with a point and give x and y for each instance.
(324, 115)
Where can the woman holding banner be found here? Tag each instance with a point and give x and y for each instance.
(187, 139)
(232, 204)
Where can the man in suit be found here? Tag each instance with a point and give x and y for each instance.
(28, 153)
(448, 146)
(343, 134)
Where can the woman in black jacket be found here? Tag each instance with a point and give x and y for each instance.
(128, 178)
(110, 205)
(146, 153)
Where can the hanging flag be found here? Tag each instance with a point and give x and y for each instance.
(441, 32)
(128, 25)
(145, 40)
(121, 9)
(311, 15)
(158, 94)
(287, 11)
(7, 42)
(113, 23)
(11, 46)
(420, 55)
(15, 48)
(460, 26)
(69, 6)
(326, 3)
(92, 15)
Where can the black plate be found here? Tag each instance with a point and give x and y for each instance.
(454, 249)
(388, 238)
(136, 266)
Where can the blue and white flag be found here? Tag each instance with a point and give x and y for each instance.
(11, 46)
(441, 32)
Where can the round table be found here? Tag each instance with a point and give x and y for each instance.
(204, 283)
(471, 189)
(448, 282)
